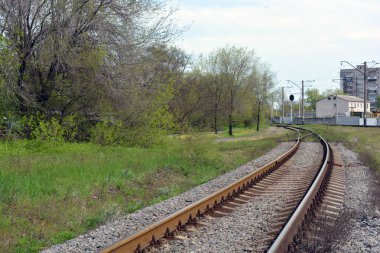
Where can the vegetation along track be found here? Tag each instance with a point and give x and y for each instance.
(312, 193)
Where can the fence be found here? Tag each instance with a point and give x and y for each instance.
(342, 121)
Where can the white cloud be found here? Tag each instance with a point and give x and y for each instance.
(301, 39)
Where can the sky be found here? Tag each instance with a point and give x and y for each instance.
(298, 39)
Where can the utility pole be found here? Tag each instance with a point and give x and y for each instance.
(283, 105)
(365, 94)
(271, 111)
(291, 112)
(302, 105)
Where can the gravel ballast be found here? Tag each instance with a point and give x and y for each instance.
(364, 222)
(243, 229)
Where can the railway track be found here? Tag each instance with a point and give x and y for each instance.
(309, 194)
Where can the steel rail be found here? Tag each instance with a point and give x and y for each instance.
(151, 234)
(287, 234)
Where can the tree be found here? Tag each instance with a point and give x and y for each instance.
(261, 82)
(234, 65)
(312, 96)
(212, 79)
(378, 103)
(336, 91)
(72, 54)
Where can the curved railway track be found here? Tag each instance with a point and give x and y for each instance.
(308, 192)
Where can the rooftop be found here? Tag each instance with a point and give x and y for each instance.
(350, 98)
(346, 97)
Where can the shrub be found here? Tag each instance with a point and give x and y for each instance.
(118, 133)
(70, 128)
(108, 133)
(50, 131)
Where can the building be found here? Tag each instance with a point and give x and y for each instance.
(340, 106)
(352, 83)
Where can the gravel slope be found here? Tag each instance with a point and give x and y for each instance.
(364, 223)
(117, 229)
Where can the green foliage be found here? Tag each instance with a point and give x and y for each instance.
(378, 103)
(118, 133)
(70, 128)
(48, 130)
(108, 133)
(312, 96)
(159, 116)
(336, 91)
(37, 127)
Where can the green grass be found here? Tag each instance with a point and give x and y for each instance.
(243, 131)
(51, 193)
(364, 141)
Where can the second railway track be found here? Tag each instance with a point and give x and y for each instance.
(302, 192)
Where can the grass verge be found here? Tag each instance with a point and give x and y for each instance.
(51, 193)
(364, 141)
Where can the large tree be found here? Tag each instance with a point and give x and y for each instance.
(72, 54)
(233, 64)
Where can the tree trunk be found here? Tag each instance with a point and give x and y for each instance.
(258, 117)
(20, 85)
(230, 124)
(230, 114)
(216, 119)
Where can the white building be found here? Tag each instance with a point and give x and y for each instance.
(340, 106)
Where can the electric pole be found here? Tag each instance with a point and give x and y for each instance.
(271, 111)
(283, 105)
(365, 94)
(302, 105)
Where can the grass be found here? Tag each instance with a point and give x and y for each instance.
(364, 141)
(50, 193)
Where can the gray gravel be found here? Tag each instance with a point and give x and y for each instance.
(364, 224)
(122, 227)
(241, 230)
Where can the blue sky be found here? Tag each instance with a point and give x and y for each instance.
(299, 39)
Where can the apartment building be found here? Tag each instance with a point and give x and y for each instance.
(352, 83)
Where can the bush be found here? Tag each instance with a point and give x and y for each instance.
(118, 133)
(70, 128)
(50, 131)
(37, 127)
(108, 133)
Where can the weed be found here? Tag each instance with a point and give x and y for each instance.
(323, 233)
